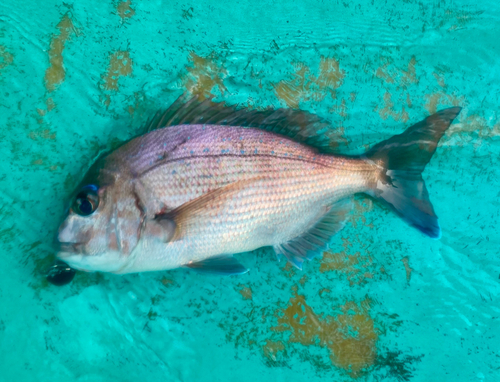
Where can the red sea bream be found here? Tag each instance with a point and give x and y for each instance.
(209, 181)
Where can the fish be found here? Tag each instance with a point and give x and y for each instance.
(206, 181)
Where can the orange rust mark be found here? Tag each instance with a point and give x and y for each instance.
(439, 79)
(389, 74)
(204, 74)
(323, 291)
(245, 291)
(350, 335)
(437, 99)
(388, 110)
(341, 109)
(50, 104)
(120, 65)
(408, 269)
(408, 100)
(43, 134)
(304, 85)
(272, 348)
(6, 58)
(167, 282)
(409, 76)
(55, 73)
(125, 10)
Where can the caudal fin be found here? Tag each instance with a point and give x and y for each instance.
(402, 159)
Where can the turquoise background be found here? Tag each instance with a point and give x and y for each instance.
(369, 67)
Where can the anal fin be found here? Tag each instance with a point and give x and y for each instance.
(219, 265)
(315, 240)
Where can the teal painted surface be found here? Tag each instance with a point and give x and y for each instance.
(397, 62)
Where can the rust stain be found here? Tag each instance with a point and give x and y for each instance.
(408, 269)
(55, 73)
(304, 85)
(125, 10)
(203, 75)
(390, 74)
(352, 266)
(389, 111)
(350, 335)
(439, 79)
(409, 76)
(245, 291)
(341, 109)
(441, 99)
(272, 348)
(50, 104)
(43, 134)
(120, 65)
(6, 58)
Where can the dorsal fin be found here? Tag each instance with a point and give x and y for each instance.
(299, 125)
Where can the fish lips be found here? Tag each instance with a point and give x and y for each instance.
(68, 249)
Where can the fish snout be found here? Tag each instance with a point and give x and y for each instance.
(71, 232)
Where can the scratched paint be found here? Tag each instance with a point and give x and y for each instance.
(56, 73)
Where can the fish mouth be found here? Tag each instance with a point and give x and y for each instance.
(69, 248)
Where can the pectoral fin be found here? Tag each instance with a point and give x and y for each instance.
(203, 207)
(219, 265)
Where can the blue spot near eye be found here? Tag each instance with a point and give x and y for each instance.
(272, 152)
(189, 138)
(241, 138)
(314, 158)
(223, 139)
(260, 140)
(206, 150)
(192, 152)
(164, 145)
(286, 154)
(150, 162)
(174, 172)
(255, 152)
(242, 151)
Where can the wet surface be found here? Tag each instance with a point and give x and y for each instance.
(384, 303)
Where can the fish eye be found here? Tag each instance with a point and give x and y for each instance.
(86, 201)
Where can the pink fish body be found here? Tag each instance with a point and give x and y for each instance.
(192, 194)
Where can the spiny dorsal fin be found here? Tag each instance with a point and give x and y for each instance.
(313, 242)
(299, 125)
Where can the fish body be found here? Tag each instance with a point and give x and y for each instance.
(193, 194)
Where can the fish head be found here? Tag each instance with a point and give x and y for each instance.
(102, 228)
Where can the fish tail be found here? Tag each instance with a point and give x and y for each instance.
(401, 160)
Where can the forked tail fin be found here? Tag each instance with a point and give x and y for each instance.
(402, 159)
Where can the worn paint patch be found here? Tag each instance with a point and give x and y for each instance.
(6, 58)
(406, 261)
(203, 75)
(124, 9)
(441, 99)
(391, 74)
(56, 73)
(42, 134)
(350, 335)
(245, 291)
(304, 85)
(120, 65)
(388, 110)
(271, 349)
